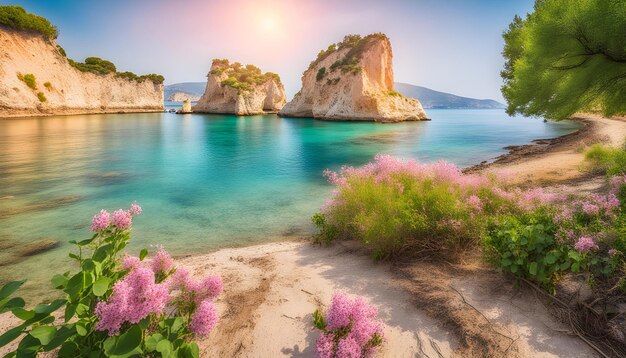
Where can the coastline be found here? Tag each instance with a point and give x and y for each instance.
(429, 309)
(80, 111)
(557, 160)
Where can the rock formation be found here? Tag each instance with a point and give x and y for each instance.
(186, 107)
(182, 96)
(37, 79)
(353, 80)
(241, 90)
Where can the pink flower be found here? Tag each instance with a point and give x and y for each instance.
(122, 219)
(130, 262)
(100, 221)
(590, 209)
(162, 261)
(614, 252)
(134, 298)
(353, 321)
(585, 244)
(325, 346)
(212, 286)
(475, 203)
(135, 209)
(204, 319)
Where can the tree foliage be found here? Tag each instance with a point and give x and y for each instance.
(15, 17)
(567, 57)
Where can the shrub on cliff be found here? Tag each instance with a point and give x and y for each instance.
(242, 78)
(41, 96)
(116, 305)
(15, 17)
(29, 79)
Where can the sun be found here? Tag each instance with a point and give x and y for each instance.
(268, 24)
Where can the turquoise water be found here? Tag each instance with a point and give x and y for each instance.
(208, 181)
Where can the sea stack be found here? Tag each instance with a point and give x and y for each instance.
(353, 80)
(242, 90)
(186, 107)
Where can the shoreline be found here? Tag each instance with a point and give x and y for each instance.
(82, 111)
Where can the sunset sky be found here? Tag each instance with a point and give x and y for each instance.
(451, 46)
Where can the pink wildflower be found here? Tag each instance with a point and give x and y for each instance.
(135, 209)
(614, 252)
(162, 262)
(212, 286)
(325, 346)
(590, 209)
(122, 219)
(100, 221)
(134, 298)
(585, 244)
(348, 348)
(130, 262)
(204, 319)
(475, 203)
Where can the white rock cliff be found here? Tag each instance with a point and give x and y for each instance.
(241, 90)
(353, 80)
(66, 90)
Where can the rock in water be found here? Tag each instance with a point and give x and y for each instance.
(353, 80)
(241, 90)
(38, 247)
(186, 107)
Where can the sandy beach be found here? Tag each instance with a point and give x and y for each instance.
(429, 309)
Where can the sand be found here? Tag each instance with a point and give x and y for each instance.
(429, 309)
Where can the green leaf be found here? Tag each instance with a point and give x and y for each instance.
(59, 281)
(318, 320)
(74, 256)
(69, 349)
(63, 334)
(9, 288)
(70, 310)
(23, 314)
(125, 343)
(506, 262)
(44, 333)
(143, 254)
(165, 347)
(152, 341)
(101, 286)
(28, 347)
(102, 252)
(15, 302)
(55, 305)
(11, 335)
(85, 242)
(81, 329)
(532, 269)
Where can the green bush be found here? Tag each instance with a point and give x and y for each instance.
(103, 67)
(61, 51)
(242, 78)
(15, 17)
(320, 74)
(41, 96)
(29, 79)
(608, 159)
(48, 85)
(526, 247)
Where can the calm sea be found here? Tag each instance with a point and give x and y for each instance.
(207, 181)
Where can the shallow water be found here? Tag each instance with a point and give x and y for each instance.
(207, 181)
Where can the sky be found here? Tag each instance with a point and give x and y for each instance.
(451, 46)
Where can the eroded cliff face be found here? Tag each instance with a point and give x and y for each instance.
(235, 89)
(61, 88)
(353, 80)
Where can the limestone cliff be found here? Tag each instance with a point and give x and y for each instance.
(37, 79)
(241, 90)
(353, 80)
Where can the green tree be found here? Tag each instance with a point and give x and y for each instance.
(566, 57)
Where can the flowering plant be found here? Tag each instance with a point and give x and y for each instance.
(117, 305)
(349, 329)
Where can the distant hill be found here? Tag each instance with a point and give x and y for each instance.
(429, 98)
(435, 99)
(193, 89)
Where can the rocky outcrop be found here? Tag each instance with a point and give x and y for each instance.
(241, 90)
(186, 107)
(353, 80)
(37, 79)
(182, 96)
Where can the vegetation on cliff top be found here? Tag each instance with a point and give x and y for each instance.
(242, 78)
(350, 62)
(566, 57)
(103, 67)
(15, 17)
